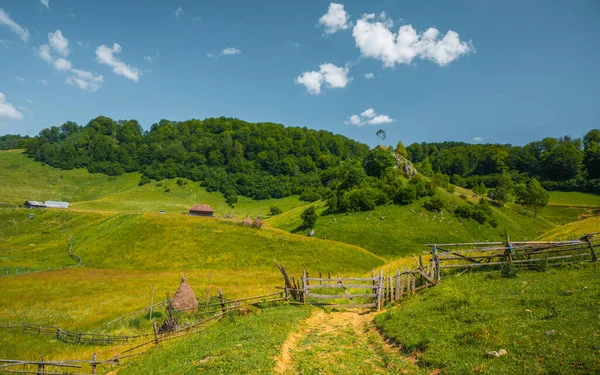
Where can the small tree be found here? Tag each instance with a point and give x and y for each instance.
(381, 135)
(274, 210)
(535, 196)
(309, 217)
(231, 197)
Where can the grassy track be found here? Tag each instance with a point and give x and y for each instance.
(548, 323)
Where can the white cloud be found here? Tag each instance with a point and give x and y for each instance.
(333, 76)
(230, 51)
(59, 43)
(42, 81)
(178, 12)
(148, 58)
(105, 55)
(368, 117)
(478, 139)
(13, 26)
(212, 56)
(19, 78)
(7, 110)
(369, 76)
(375, 39)
(85, 80)
(62, 64)
(24, 109)
(45, 3)
(71, 14)
(83, 44)
(44, 53)
(335, 19)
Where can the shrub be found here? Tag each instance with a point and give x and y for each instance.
(231, 197)
(143, 181)
(274, 210)
(310, 195)
(435, 203)
(406, 195)
(508, 270)
(181, 182)
(309, 217)
(363, 199)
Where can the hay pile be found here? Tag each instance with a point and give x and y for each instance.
(184, 298)
(229, 216)
(247, 221)
(258, 223)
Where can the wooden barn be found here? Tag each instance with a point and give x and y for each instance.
(201, 210)
(34, 204)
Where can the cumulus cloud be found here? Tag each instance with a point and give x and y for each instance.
(105, 55)
(59, 43)
(369, 75)
(478, 139)
(45, 3)
(329, 74)
(335, 19)
(62, 64)
(7, 110)
(230, 51)
(85, 80)
(148, 58)
(13, 26)
(375, 38)
(178, 12)
(368, 117)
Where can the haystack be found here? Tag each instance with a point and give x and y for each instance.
(184, 298)
(258, 223)
(247, 221)
(229, 216)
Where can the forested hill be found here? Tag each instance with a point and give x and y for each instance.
(263, 160)
(559, 163)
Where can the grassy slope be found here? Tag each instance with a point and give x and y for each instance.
(573, 198)
(242, 345)
(454, 324)
(23, 179)
(573, 230)
(404, 229)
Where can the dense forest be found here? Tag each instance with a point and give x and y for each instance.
(267, 160)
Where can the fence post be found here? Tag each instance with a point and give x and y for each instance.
(379, 289)
(594, 256)
(320, 277)
(397, 294)
(40, 369)
(94, 364)
(155, 327)
(414, 280)
(304, 284)
(222, 300)
(438, 270)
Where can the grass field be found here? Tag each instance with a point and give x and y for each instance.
(574, 198)
(548, 323)
(573, 230)
(23, 179)
(394, 231)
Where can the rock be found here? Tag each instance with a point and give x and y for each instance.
(569, 292)
(382, 218)
(551, 332)
(502, 352)
(492, 354)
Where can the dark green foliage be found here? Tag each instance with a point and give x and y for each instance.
(406, 194)
(481, 212)
(309, 217)
(378, 160)
(435, 203)
(231, 197)
(533, 195)
(13, 141)
(260, 161)
(143, 181)
(274, 210)
(310, 195)
(362, 199)
(508, 270)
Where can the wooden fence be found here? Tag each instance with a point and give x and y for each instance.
(524, 254)
(361, 292)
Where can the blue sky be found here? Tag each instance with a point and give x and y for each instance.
(426, 70)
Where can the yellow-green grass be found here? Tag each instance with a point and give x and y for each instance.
(548, 323)
(22, 179)
(574, 198)
(83, 299)
(235, 345)
(394, 231)
(573, 230)
(163, 242)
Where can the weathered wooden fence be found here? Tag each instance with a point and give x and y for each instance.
(522, 254)
(361, 292)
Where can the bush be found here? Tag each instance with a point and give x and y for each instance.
(481, 212)
(406, 195)
(231, 197)
(310, 195)
(508, 270)
(309, 217)
(435, 203)
(274, 210)
(181, 182)
(363, 199)
(143, 181)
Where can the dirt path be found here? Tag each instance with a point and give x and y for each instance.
(339, 343)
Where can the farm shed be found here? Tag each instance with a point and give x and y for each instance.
(201, 210)
(55, 204)
(34, 204)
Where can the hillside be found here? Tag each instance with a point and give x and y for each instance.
(395, 231)
(573, 230)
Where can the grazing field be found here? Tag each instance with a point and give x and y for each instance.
(547, 322)
(574, 198)
(395, 231)
(23, 179)
(573, 230)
